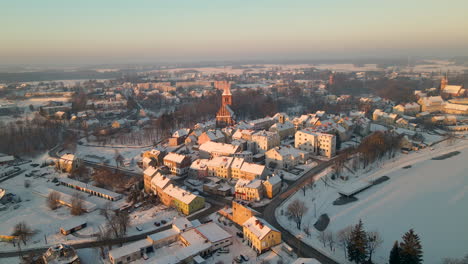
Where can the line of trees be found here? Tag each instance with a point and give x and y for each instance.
(29, 136)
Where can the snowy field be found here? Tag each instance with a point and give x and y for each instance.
(108, 153)
(34, 212)
(430, 196)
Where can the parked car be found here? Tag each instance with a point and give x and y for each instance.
(163, 222)
(157, 224)
(240, 234)
(245, 258)
(223, 250)
(238, 259)
(139, 228)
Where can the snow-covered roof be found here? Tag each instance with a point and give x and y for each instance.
(211, 146)
(199, 164)
(255, 184)
(273, 180)
(289, 151)
(93, 188)
(182, 223)
(213, 232)
(259, 227)
(452, 89)
(67, 157)
(128, 249)
(181, 132)
(162, 235)
(150, 170)
(253, 168)
(459, 107)
(224, 162)
(7, 158)
(180, 194)
(160, 181)
(174, 157)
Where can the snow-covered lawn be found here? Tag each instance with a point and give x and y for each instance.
(96, 154)
(431, 196)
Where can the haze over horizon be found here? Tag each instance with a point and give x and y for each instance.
(54, 31)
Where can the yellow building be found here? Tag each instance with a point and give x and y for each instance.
(260, 235)
(272, 186)
(183, 200)
(241, 212)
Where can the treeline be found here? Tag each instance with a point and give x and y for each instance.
(397, 90)
(377, 145)
(30, 136)
(253, 104)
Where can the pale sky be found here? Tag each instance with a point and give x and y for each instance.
(107, 31)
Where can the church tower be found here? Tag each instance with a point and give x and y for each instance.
(443, 82)
(225, 116)
(331, 79)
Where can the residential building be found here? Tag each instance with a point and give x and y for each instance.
(266, 140)
(284, 130)
(178, 164)
(60, 253)
(285, 157)
(148, 175)
(272, 186)
(382, 117)
(183, 200)
(241, 212)
(211, 135)
(314, 142)
(260, 235)
(214, 149)
(431, 104)
(68, 162)
(407, 109)
(249, 190)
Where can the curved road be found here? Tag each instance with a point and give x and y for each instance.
(301, 248)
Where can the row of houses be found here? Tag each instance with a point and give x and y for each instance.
(255, 190)
(171, 194)
(227, 167)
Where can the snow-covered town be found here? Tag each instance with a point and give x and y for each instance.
(222, 132)
(130, 183)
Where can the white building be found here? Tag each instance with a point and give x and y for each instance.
(266, 140)
(314, 142)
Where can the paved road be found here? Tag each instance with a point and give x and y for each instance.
(301, 248)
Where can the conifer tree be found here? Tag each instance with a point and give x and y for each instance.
(411, 249)
(395, 254)
(357, 248)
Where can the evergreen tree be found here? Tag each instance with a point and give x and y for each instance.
(411, 249)
(357, 247)
(395, 254)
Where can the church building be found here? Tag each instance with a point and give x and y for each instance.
(225, 116)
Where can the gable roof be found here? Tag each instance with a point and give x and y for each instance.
(259, 227)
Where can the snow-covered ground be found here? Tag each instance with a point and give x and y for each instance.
(430, 196)
(98, 154)
(34, 212)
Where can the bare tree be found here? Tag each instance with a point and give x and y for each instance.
(117, 221)
(374, 240)
(322, 237)
(307, 230)
(344, 237)
(331, 239)
(53, 200)
(296, 210)
(77, 206)
(118, 158)
(23, 232)
(103, 237)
